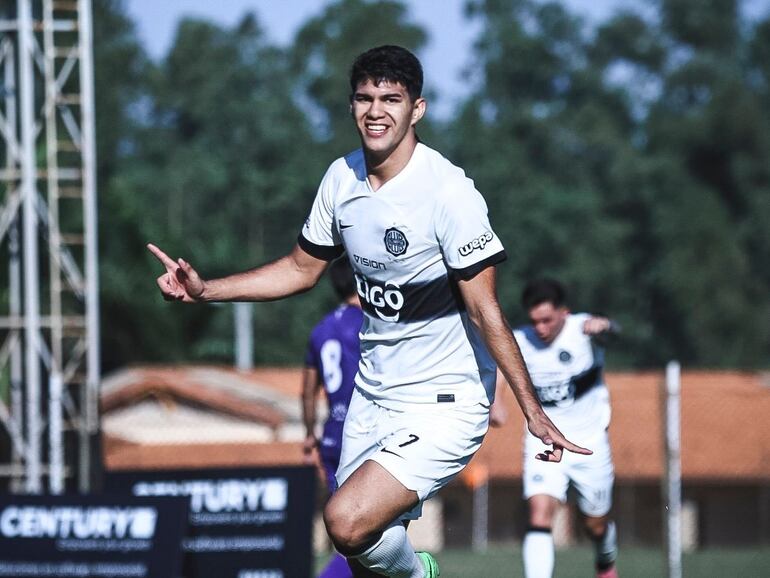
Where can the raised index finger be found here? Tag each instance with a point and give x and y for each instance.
(568, 445)
(167, 261)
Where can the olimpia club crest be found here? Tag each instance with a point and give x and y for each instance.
(395, 242)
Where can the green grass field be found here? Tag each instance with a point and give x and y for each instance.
(500, 562)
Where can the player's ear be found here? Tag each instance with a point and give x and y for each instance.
(418, 110)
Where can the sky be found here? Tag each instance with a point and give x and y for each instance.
(449, 43)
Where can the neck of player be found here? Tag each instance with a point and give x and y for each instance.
(381, 166)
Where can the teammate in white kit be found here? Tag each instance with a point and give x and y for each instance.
(566, 365)
(418, 238)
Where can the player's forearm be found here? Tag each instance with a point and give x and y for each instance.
(309, 424)
(504, 350)
(308, 413)
(513, 368)
(309, 390)
(281, 278)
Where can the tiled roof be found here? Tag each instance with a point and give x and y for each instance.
(725, 415)
(121, 455)
(221, 389)
(725, 421)
(201, 416)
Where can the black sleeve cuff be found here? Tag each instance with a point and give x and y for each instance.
(323, 252)
(473, 270)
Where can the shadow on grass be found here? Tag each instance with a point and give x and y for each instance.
(500, 562)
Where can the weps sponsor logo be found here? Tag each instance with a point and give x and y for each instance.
(78, 522)
(477, 243)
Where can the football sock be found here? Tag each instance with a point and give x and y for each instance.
(337, 568)
(392, 555)
(606, 547)
(538, 553)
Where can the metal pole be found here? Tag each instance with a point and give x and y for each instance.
(14, 267)
(55, 430)
(244, 336)
(480, 522)
(673, 471)
(30, 243)
(16, 360)
(55, 437)
(93, 375)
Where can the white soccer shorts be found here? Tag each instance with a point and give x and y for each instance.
(423, 447)
(592, 476)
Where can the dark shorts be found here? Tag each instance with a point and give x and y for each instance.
(330, 459)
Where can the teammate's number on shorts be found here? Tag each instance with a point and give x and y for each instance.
(331, 360)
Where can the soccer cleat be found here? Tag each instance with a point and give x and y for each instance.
(610, 572)
(430, 565)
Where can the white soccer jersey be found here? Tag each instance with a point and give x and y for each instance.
(568, 377)
(408, 242)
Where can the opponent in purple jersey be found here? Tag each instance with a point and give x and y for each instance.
(331, 362)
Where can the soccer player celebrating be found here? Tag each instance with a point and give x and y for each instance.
(417, 235)
(566, 364)
(331, 363)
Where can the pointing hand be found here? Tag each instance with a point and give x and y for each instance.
(180, 282)
(543, 428)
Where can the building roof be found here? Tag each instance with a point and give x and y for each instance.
(163, 417)
(724, 428)
(203, 416)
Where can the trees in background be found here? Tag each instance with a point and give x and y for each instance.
(220, 161)
(631, 160)
(637, 164)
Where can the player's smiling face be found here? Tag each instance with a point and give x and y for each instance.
(547, 320)
(384, 115)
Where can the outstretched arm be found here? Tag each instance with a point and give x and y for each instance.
(597, 325)
(484, 311)
(294, 273)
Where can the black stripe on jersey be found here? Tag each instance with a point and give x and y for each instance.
(587, 380)
(433, 299)
(473, 270)
(324, 252)
(580, 384)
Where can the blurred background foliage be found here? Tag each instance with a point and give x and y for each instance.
(629, 159)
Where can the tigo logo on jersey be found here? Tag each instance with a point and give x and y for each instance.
(395, 242)
(477, 243)
(386, 301)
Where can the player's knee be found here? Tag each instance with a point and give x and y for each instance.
(540, 521)
(344, 529)
(596, 527)
(540, 518)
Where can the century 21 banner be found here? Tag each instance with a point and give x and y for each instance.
(91, 536)
(244, 523)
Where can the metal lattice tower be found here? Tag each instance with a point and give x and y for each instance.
(49, 324)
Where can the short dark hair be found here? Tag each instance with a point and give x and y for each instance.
(541, 291)
(388, 63)
(341, 276)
